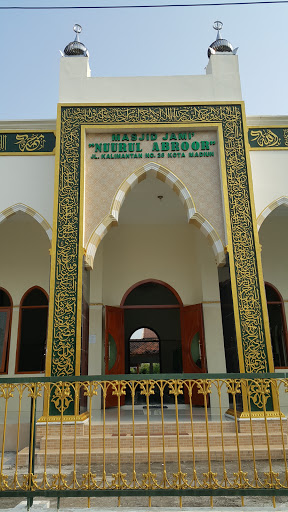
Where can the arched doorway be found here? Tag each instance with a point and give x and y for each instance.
(6, 308)
(156, 306)
(274, 244)
(278, 327)
(31, 345)
(144, 352)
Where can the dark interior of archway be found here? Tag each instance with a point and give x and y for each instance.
(35, 298)
(4, 299)
(278, 330)
(229, 335)
(151, 294)
(229, 331)
(165, 322)
(33, 332)
(5, 319)
(33, 341)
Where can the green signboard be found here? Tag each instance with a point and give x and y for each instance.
(28, 143)
(170, 145)
(268, 138)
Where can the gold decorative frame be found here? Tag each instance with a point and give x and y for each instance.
(251, 317)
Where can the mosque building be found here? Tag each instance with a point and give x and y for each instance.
(165, 256)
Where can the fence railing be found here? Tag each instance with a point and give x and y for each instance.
(166, 435)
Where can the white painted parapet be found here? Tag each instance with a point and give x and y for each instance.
(221, 83)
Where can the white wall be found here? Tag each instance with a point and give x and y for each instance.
(133, 253)
(270, 177)
(28, 180)
(274, 241)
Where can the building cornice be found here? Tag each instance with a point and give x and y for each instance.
(31, 124)
(267, 121)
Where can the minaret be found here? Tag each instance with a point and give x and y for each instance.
(223, 66)
(74, 64)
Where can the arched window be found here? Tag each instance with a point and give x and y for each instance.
(144, 351)
(5, 323)
(278, 328)
(32, 331)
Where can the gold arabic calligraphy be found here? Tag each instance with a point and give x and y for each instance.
(33, 142)
(265, 138)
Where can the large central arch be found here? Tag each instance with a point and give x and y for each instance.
(165, 175)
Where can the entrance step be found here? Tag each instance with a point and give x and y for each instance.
(48, 441)
(141, 442)
(156, 455)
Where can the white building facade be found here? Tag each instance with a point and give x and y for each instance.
(151, 202)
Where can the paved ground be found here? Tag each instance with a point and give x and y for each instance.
(159, 502)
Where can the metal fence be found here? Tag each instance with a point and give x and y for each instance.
(166, 435)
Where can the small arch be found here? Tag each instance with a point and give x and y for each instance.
(6, 309)
(5, 298)
(165, 175)
(144, 327)
(144, 351)
(20, 207)
(147, 281)
(33, 312)
(269, 209)
(272, 293)
(278, 325)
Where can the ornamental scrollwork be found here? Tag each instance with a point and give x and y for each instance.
(260, 391)
(7, 391)
(62, 396)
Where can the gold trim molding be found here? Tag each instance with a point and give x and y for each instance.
(57, 419)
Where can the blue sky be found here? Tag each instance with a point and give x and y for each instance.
(166, 41)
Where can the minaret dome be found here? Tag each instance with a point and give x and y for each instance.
(220, 45)
(76, 48)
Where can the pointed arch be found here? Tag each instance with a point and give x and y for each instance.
(20, 207)
(163, 174)
(283, 200)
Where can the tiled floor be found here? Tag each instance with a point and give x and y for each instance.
(140, 414)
